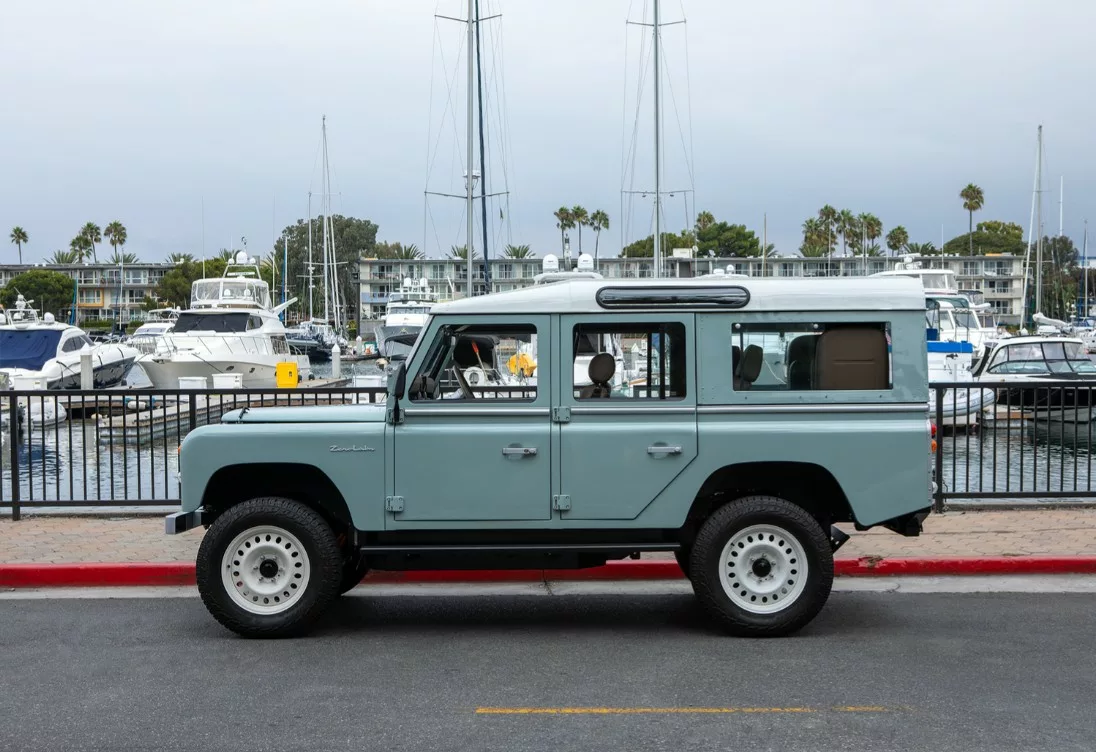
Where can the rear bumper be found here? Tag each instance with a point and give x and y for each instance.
(180, 522)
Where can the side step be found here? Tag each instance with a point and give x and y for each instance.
(521, 548)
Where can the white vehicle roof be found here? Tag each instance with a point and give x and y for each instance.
(579, 296)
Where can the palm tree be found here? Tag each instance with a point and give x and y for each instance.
(19, 236)
(581, 218)
(226, 255)
(65, 257)
(921, 249)
(846, 226)
(93, 235)
(704, 220)
(116, 236)
(973, 200)
(869, 228)
(180, 258)
(80, 246)
(897, 239)
(409, 252)
(564, 221)
(461, 252)
(828, 216)
(123, 258)
(518, 252)
(599, 221)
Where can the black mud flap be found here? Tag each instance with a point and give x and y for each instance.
(837, 537)
(908, 525)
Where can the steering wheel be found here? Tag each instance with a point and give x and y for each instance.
(465, 390)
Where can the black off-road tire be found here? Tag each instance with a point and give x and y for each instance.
(354, 569)
(706, 566)
(318, 541)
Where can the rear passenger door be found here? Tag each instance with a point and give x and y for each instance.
(623, 441)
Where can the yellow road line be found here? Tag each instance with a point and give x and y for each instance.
(631, 711)
(674, 710)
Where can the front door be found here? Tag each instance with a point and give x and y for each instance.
(629, 407)
(474, 441)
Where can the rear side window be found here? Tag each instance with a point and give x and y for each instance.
(621, 361)
(810, 356)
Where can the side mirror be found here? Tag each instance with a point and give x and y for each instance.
(400, 386)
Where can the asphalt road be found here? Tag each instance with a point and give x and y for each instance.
(877, 671)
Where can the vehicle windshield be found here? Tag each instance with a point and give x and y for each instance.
(211, 322)
(1043, 358)
(28, 348)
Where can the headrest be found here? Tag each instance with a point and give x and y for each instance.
(752, 360)
(602, 367)
(802, 346)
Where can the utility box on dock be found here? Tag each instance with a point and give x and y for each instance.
(228, 381)
(285, 375)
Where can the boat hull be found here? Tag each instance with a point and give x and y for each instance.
(164, 373)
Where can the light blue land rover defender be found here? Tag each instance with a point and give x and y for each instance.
(731, 422)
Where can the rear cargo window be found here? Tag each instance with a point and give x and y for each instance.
(810, 356)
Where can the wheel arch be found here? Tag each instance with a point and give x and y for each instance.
(301, 482)
(806, 484)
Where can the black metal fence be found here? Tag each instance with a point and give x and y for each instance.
(67, 449)
(1011, 442)
(1022, 440)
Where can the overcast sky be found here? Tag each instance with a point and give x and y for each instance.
(142, 111)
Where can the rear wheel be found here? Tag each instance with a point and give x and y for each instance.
(268, 567)
(762, 566)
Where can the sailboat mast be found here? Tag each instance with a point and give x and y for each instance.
(1061, 198)
(1084, 271)
(311, 314)
(468, 157)
(1039, 225)
(325, 202)
(658, 151)
(482, 150)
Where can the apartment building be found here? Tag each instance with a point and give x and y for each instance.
(103, 291)
(1000, 278)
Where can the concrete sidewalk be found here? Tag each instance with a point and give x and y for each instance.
(1038, 532)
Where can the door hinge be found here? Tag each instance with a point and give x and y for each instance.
(393, 503)
(561, 414)
(561, 502)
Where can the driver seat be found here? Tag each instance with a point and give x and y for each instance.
(601, 370)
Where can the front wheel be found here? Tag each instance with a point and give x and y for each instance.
(762, 566)
(268, 568)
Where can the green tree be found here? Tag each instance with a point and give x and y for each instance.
(115, 233)
(599, 221)
(178, 258)
(922, 249)
(150, 304)
(48, 291)
(847, 228)
(123, 258)
(1007, 229)
(518, 252)
(973, 200)
(18, 237)
(409, 252)
(816, 241)
(580, 217)
(92, 235)
(982, 242)
(1060, 278)
(226, 254)
(65, 257)
(724, 240)
(897, 239)
(704, 220)
(354, 239)
(828, 216)
(81, 246)
(564, 221)
(645, 248)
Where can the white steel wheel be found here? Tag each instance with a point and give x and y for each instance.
(764, 569)
(265, 570)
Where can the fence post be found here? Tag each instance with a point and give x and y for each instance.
(13, 441)
(938, 457)
(87, 374)
(193, 411)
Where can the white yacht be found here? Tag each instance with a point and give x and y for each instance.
(406, 312)
(230, 328)
(1027, 365)
(45, 352)
(952, 362)
(160, 321)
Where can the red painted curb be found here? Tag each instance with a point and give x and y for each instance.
(180, 573)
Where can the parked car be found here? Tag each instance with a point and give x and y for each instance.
(754, 415)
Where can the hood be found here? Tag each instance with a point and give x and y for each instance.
(310, 414)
